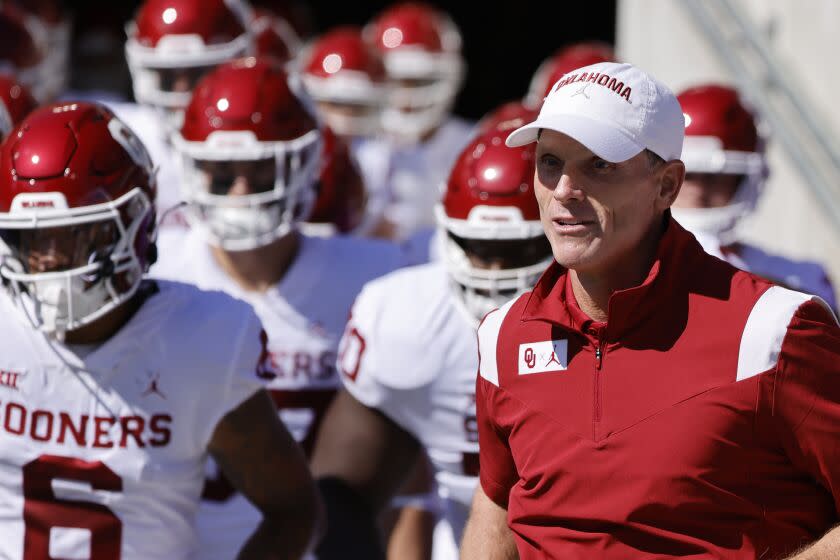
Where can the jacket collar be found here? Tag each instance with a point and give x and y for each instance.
(552, 299)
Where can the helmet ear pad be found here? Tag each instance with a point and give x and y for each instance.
(152, 254)
(144, 242)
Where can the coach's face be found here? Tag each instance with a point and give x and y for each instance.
(596, 213)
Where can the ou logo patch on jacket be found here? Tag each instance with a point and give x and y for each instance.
(539, 357)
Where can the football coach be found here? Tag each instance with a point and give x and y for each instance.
(645, 399)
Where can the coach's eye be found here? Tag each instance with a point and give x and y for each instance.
(602, 164)
(549, 161)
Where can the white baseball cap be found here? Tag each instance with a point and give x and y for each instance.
(613, 109)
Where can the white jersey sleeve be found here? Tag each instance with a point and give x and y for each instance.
(398, 341)
(246, 369)
(370, 356)
(225, 335)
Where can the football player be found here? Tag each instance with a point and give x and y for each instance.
(346, 78)
(725, 174)
(408, 355)
(421, 49)
(171, 44)
(251, 152)
(115, 388)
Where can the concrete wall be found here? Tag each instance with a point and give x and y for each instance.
(659, 36)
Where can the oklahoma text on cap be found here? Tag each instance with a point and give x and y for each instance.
(615, 110)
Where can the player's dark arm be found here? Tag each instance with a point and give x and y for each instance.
(263, 462)
(361, 459)
(487, 535)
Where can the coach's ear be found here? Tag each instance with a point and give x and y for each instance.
(670, 177)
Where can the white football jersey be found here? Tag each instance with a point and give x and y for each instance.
(416, 174)
(150, 127)
(373, 155)
(103, 457)
(808, 277)
(410, 351)
(304, 316)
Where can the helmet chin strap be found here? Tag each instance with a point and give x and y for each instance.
(105, 269)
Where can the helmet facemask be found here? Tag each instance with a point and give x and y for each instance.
(351, 120)
(349, 103)
(422, 91)
(244, 194)
(489, 272)
(705, 155)
(67, 268)
(165, 76)
(492, 256)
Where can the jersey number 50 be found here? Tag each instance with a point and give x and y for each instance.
(42, 511)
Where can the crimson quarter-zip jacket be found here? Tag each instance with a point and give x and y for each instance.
(701, 420)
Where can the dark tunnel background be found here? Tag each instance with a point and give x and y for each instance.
(503, 42)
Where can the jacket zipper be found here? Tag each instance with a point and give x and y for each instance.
(599, 354)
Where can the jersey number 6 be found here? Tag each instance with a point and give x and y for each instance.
(42, 511)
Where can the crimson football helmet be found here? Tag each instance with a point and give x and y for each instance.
(507, 117)
(421, 49)
(23, 50)
(565, 60)
(274, 36)
(77, 219)
(341, 196)
(721, 137)
(173, 43)
(248, 114)
(346, 77)
(494, 247)
(15, 103)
